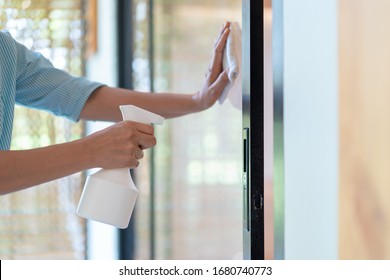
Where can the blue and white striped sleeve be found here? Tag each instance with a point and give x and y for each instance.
(42, 86)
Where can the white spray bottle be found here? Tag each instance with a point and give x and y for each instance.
(109, 195)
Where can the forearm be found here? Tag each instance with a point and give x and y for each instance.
(104, 104)
(27, 168)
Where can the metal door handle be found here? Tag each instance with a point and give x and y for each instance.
(245, 179)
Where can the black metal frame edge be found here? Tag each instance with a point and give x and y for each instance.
(257, 128)
(126, 244)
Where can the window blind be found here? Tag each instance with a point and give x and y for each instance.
(40, 222)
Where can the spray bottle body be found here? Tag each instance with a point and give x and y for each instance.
(106, 200)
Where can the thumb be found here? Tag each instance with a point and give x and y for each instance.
(222, 81)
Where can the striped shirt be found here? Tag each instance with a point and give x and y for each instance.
(29, 79)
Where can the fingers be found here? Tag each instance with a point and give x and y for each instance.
(146, 141)
(139, 134)
(140, 139)
(224, 26)
(138, 154)
(132, 159)
(144, 128)
(222, 37)
(215, 67)
(120, 145)
(132, 163)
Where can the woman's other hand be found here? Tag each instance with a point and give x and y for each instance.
(119, 145)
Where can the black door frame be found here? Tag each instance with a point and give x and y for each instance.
(253, 128)
(126, 244)
(125, 37)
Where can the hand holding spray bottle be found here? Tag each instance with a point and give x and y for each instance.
(109, 195)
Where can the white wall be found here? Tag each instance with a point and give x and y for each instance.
(311, 129)
(102, 240)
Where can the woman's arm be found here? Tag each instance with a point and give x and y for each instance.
(104, 102)
(27, 168)
(117, 146)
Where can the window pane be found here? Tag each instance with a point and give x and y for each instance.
(198, 157)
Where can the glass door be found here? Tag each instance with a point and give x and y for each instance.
(190, 208)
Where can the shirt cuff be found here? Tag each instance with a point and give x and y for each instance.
(85, 89)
